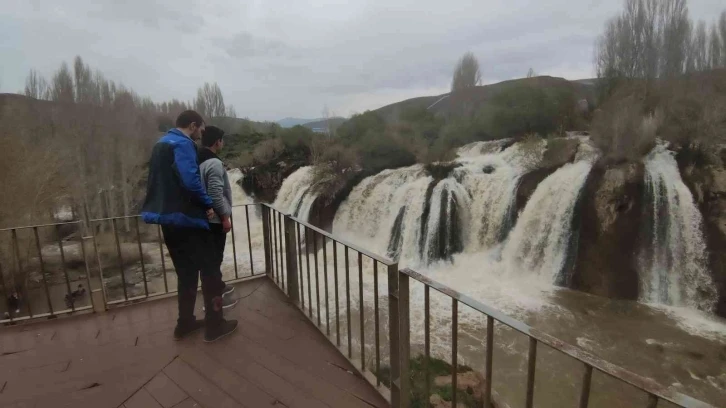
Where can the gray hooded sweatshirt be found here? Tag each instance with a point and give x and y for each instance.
(216, 182)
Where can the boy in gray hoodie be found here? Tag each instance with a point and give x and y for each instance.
(216, 183)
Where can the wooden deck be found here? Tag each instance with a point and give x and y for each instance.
(128, 358)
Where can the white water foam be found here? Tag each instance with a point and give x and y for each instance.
(675, 273)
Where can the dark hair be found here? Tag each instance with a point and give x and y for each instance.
(186, 118)
(211, 135)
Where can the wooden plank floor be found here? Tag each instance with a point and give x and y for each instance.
(128, 358)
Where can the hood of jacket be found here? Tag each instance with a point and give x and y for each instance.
(206, 154)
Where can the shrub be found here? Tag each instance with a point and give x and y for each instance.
(624, 132)
(362, 126)
(268, 150)
(559, 151)
(379, 153)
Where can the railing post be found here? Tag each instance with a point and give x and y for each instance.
(266, 231)
(398, 333)
(293, 291)
(404, 337)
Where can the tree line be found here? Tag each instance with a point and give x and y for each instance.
(657, 39)
(81, 140)
(660, 76)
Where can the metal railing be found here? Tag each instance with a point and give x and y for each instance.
(20, 271)
(101, 263)
(136, 239)
(289, 246)
(283, 239)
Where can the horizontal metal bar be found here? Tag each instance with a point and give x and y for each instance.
(40, 226)
(371, 255)
(248, 205)
(42, 315)
(577, 353)
(343, 242)
(120, 217)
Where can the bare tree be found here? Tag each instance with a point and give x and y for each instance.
(84, 85)
(36, 86)
(531, 73)
(466, 73)
(649, 39)
(62, 85)
(698, 59)
(675, 37)
(714, 48)
(722, 34)
(210, 102)
(231, 112)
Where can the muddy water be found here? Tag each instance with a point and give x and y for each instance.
(678, 348)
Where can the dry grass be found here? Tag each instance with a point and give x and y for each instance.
(268, 150)
(624, 132)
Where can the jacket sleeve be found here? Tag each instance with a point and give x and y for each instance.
(215, 188)
(185, 158)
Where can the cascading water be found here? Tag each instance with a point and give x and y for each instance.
(383, 211)
(441, 240)
(406, 211)
(674, 266)
(492, 179)
(432, 219)
(539, 243)
(296, 196)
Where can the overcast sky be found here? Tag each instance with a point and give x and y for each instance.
(278, 58)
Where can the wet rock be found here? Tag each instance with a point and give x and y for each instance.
(488, 169)
(437, 402)
(610, 231)
(559, 152)
(471, 382)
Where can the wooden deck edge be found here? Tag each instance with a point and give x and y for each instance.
(356, 363)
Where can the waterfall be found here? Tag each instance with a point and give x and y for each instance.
(539, 243)
(491, 180)
(441, 238)
(674, 269)
(384, 211)
(410, 216)
(238, 195)
(296, 195)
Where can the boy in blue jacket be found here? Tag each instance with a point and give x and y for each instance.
(176, 199)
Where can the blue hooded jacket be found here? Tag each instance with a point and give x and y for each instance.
(174, 191)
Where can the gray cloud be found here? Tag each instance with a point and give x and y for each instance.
(290, 58)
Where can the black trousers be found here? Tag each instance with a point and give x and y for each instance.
(219, 240)
(194, 255)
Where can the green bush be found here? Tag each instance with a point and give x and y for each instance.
(380, 153)
(436, 368)
(362, 126)
(526, 109)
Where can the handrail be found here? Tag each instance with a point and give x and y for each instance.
(55, 224)
(575, 352)
(369, 254)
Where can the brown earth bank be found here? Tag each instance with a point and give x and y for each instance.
(558, 153)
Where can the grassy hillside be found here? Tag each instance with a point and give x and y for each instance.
(473, 100)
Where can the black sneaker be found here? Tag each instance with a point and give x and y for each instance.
(182, 331)
(227, 290)
(226, 303)
(219, 331)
